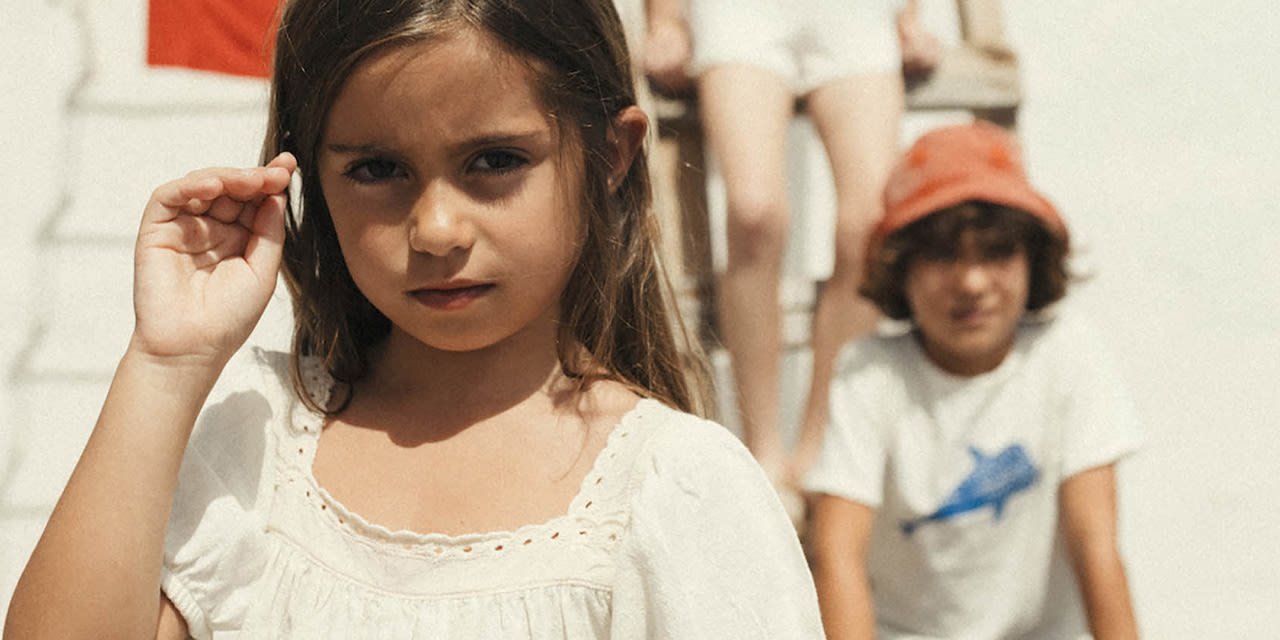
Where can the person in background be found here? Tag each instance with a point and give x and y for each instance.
(966, 486)
(751, 60)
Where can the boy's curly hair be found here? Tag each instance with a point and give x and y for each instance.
(1000, 230)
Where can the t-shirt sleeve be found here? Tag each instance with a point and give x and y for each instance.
(709, 551)
(214, 548)
(1100, 422)
(851, 462)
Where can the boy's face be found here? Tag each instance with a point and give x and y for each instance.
(967, 305)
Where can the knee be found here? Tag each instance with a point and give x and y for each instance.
(756, 226)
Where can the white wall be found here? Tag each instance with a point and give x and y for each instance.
(1153, 129)
(36, 43)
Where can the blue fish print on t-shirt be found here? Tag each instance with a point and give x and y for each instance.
(993, 480)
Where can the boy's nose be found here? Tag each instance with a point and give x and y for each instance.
(971, 276)
(439, 224)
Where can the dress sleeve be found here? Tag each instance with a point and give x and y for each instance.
(1100, 422)
(214, 547)
(851, 462)
(709, 552)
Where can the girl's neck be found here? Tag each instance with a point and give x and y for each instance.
(467, 385)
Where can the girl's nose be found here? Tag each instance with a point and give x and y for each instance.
(439, 224)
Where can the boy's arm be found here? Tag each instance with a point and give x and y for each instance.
(1087, 504)
(840, 534)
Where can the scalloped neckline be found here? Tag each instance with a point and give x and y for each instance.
(339, 516)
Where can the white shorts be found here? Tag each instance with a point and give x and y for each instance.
(808, 43)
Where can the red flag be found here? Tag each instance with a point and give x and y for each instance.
(226, 36)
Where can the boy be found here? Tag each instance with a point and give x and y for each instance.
(966, 484)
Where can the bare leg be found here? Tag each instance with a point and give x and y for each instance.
(858, 119)
(745, 112)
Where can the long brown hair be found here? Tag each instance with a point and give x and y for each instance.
(617, 317)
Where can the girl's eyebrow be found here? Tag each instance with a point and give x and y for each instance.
(355, 148)
(486, 140)
(502, 138)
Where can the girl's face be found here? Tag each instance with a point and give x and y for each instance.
(967, 305)
(450, 194)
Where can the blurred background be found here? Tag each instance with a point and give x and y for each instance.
(1152, 127)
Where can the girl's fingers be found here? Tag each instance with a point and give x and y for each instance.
(197, 192)
(284, 160)
(266, 243)
(180, 193)
(245, 184)
(277, 175)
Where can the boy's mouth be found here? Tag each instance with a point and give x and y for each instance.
(969, 316)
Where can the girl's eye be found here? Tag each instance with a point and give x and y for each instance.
(497, 161)
(367, 171)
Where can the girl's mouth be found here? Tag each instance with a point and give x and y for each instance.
(451, 298)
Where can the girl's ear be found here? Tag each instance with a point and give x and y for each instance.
(625, 139)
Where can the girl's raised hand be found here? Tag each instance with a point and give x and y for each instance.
(206, 260)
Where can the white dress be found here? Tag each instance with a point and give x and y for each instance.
(674, 533)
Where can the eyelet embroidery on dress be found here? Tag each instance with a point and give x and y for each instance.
(319, 384)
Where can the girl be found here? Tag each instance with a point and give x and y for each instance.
(481, 430)
(966, 487)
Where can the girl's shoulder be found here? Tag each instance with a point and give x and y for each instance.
(662, 426)
(254, 370)
(225, 489)
(245, 416)
(264, 377)
(670, 445)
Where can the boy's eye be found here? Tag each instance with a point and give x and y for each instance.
(939, 254)
(366, 171)
(1000, 250)
(496, 161)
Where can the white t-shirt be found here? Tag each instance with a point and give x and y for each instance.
(964, 473)
(675, 533)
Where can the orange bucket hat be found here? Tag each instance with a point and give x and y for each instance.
(952, 165)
